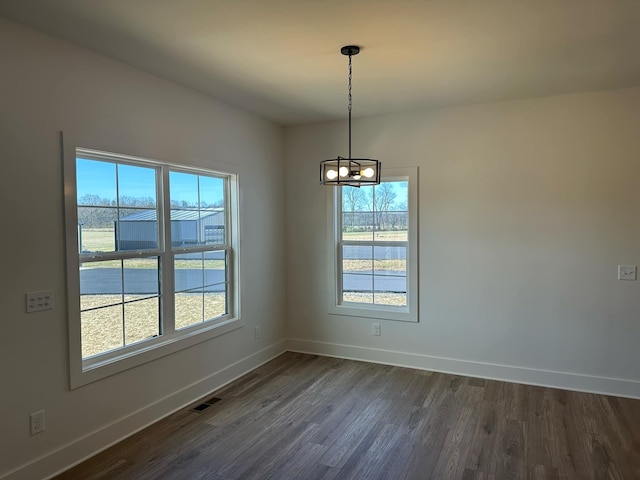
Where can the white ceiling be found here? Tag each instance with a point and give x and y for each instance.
(281, 60)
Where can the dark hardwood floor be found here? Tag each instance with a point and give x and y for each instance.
(308, 417)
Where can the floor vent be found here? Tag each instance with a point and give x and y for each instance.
(205, 405)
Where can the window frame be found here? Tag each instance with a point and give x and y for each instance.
(84, 371)
(408, 313)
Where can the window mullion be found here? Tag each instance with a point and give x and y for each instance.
(167, 277)
(373, 272)
(339, 272)
(122, 296)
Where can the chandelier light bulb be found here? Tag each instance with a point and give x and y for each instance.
(356, 176)
(368, 172)
(332, 174)
(344, 171)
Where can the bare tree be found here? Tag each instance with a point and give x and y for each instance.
(383, 198)
(144, 202)
(353, 200)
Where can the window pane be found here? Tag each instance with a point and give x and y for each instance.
(137, 186)
(390, 200)
(184, 228)
(357, 213)
(211, 192)
(215, 304)
(212, 214)
(95, 182)
(142, 319)
(188, 271)
(357, 226)
(197, 210)
(141, 277)
(389, 284)
(184, 190)
(138, 229)
(215, 265)
(390, 260)
(215, 288)
(390, 279)
(96, 229)
(189, 308)
(189, 283)
(100, 284)
(102, 330)
(357, 288)
(357, 258)
(202, 275)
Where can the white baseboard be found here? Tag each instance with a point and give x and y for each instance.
(80, 449)
(545, 378)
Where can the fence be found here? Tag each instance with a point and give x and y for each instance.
(362, 221)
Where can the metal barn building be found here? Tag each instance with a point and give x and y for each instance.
(188, 227)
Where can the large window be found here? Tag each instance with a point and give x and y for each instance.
(151, 259)
(374, 240)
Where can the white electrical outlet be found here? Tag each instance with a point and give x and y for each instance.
(37, 422)
(375, 329)
(38, 301)
(256, 333)
(627, 272)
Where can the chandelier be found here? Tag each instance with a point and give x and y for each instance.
(350, 171)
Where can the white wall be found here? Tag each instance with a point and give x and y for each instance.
(526, 209)
(47, 85)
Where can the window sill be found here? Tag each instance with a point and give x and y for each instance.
(378, 312)
(85, 372)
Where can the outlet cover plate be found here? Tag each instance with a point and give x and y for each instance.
(627, 272)
(36, 420)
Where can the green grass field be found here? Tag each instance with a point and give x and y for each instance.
(98, 240)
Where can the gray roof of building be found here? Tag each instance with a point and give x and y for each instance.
(151, 215)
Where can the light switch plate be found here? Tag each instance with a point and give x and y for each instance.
(627, 272)
(37, 301)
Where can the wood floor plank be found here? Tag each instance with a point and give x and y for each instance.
(480, 455)
(319, 418)
(371, 464)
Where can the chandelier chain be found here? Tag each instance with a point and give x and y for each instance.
(350, 102)
(350, 76)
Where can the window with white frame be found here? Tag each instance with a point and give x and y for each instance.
(152, 256)
(374, 239)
